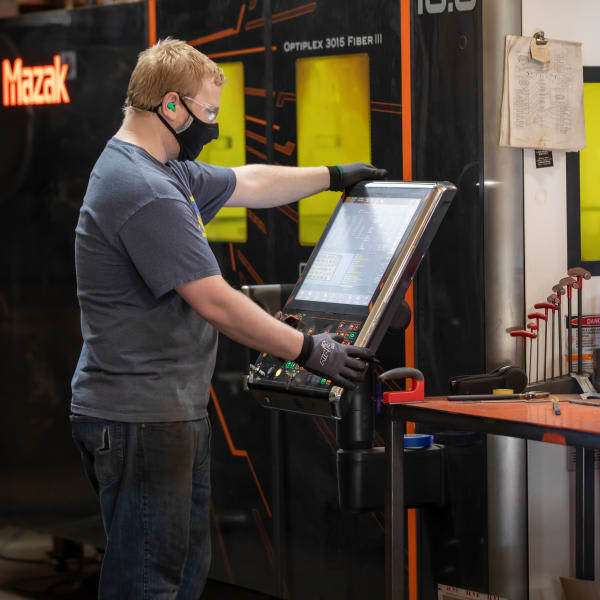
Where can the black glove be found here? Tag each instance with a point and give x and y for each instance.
(323, 355)
(342, 177)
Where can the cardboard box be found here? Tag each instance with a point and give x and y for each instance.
(449, 592)
(580, 589)
(8, 8)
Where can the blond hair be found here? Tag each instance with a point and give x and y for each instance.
(169, 66)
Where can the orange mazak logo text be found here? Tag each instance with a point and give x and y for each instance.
(22, 86)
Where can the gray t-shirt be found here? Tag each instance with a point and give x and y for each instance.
(146, 355)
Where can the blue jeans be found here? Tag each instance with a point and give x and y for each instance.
(153, 483)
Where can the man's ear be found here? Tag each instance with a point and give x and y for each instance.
(169, 104)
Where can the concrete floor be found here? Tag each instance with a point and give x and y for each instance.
(28, 570)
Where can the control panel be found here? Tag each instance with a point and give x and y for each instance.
(353, 285)
(271, 375)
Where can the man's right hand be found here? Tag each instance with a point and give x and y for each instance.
(345, 365)
(342, 177)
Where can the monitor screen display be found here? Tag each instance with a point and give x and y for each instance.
(357, 249)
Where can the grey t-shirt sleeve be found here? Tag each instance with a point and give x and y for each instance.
(211, 186)
(167, 246)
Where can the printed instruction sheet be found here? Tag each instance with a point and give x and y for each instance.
(542, 102)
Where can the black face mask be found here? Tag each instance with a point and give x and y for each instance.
(194, 135)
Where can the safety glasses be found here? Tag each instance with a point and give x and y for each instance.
(211, 111)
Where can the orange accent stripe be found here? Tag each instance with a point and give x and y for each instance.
(260, 122)
(413, 574)
(406, 89)
(232, 256)
(257, 278)
(299, 11)
(326, 433)
(211, 37)
(264, 537)
(287, 149)
(222, 544)
(234, 451)
(151, 22)
(378, 520)
(409, 336)
(303, 9)
(255, 92)
(386, 103)
(255, 24)
(293, 212)
(292, 216)
(381, 110)
(256, 152)
(256, 220)
(283, 97)
(554, 438)
(256, 137)
(254, 50)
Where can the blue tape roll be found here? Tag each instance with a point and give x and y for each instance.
(417, 440)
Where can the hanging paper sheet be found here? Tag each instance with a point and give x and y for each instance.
(542, 101)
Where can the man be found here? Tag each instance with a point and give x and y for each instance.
(152, 299)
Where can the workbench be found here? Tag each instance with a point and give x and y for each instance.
(577, 425)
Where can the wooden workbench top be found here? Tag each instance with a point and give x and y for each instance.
(574, 417)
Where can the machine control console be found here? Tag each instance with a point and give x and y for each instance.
(353, 284)
(270, 373)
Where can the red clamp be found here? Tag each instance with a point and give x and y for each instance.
(546, 306)
(537, 316)
(522, 333)
(415, 394)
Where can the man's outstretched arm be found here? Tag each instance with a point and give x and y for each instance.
(265, 186)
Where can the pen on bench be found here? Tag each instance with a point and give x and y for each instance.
(528, 396)
(582, 401)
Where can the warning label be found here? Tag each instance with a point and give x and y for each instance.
(590, 336)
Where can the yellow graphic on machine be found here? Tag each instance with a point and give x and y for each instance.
(200, 223)
(590, 337)
(449, 592)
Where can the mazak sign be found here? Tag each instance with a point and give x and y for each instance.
(24, 86)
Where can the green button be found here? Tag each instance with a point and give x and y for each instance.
(352, 335)
(323, 380)
(290, 365)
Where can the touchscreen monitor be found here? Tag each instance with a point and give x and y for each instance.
(357, 250)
